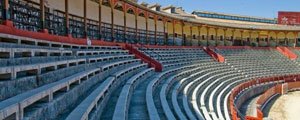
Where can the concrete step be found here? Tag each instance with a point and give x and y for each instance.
(138, 107)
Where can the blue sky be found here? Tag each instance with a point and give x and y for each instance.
(259, 8)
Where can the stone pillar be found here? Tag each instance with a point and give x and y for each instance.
(112, 4)
(100, 19)
(67, 18)
(146, 19)
(125, 24)
(85, 18)
(173, 32)
(155, 29)
(199, 35)
(42, 13)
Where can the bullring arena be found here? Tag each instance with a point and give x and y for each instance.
(120, 59)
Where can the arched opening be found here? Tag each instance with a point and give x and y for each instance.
(220, 37)
(290, 39)
(203, 33)
(246, 38)
(229, 37)
(281, 39)
(272, 39)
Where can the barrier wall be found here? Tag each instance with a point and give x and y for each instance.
(292, 80)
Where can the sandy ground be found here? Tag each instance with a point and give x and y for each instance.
(286, 107)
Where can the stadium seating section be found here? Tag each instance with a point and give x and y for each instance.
(49, 80)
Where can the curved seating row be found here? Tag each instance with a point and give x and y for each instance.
(122, 105)
(95, 82)
(153, 113)
(25, 83)
(83, 110)
(17, 103)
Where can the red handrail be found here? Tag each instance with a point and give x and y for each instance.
(216, 56)
(151, 62)
(286, 52)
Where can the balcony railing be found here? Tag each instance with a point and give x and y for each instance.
(1, 10)
(106, 32)
(25, 15)
(55, 23)
(142, 36)
(93, 30)
(130, 35)
(119, 33)
(76, 27)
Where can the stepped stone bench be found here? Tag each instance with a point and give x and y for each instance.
(175, 49)
(163, 98)
(122, 105)
(207, 89)
(222, 92)
(120, 74)
(11, 72)
(30, 52)
(152, 111)
(181, 63)
(196, 92)
(17, 104)
(180, 86)
(109, 58)
(166, 87)
(179, 60)
(116, 64)
(93, 101)
(82, 111)
(100, 52)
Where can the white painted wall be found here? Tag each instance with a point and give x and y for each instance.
(141, 22)
(130, 20)
(106, 14)
(118, 17)
(93, 10)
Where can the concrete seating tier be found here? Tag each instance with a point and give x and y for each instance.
(28, 98)
(50, 80)
(174, 57)
(94, 100)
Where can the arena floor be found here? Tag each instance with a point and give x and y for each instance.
(286, 107)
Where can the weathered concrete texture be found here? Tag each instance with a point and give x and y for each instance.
(31, 60)
(59, 74)
(110, 107)
(14, 87)
(286, 107)
(65, 103)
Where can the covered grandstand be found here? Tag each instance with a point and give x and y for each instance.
(117, 59)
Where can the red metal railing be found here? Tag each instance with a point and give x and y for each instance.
(214, 55)
(286, 52)
(151, 62)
